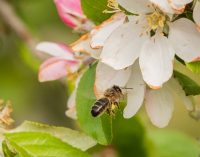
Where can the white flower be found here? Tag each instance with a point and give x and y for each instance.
(121, 40)
(124, 42)
(159, 104)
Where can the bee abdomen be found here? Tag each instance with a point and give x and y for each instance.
(99, 107)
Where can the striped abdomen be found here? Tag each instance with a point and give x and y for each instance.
(99, 107)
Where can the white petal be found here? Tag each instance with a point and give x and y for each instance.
(179, 93)
(135, 96)
(196, 13)
(156, 61)
(123, 46)
(83, 45)
(179, 5)
(163, 5)
(57, 50)
(136, 6)
(106, 77)
(71, 112)
(181, 2)
(71, 104)
(71, 100)
(159, 106)
(101, 33)
(185, 39)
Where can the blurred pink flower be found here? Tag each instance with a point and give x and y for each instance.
(71, 14)
(58, 66)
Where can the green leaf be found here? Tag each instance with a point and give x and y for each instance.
(173, 144)
(6, 151)
(35, 144)
(100, 127)
(129, 137)
(194, 66)
(189, 86)
(72, 137)
(93, 9)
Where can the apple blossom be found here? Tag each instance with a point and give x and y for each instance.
(61, 64)
(133, 39)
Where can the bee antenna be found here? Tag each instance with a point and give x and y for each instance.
(125, 88)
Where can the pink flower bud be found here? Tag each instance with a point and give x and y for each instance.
(60, 64)
(71, 14)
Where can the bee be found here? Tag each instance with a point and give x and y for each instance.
(108, 103)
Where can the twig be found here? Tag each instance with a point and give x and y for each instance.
(10, 18)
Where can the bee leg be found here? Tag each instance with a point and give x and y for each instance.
(113, 112)
(117, 104)
(108, 111)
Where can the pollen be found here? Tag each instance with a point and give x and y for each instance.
(113, 107)
(156, 20)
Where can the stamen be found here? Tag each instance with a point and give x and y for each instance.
(113, 5)
(156, 20)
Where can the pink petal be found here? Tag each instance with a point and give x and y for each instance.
(55, 68)
(70, 6)
(56, 50)
(68, 10)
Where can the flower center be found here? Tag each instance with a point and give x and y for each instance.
(156, 20)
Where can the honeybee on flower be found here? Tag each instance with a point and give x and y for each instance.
(159, 104)
(152, 36)
(139, 49)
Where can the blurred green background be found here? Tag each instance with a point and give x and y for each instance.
(46, 102)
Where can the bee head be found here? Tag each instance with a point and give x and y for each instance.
(117, 88)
